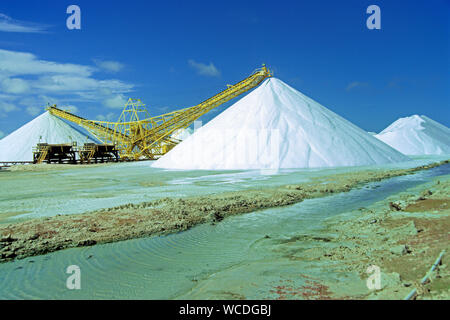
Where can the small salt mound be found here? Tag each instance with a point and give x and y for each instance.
(417, 135)
(46, 128)
(276, 126)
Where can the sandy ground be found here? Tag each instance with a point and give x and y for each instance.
(168, 215)
(51, 167)
(402, 235)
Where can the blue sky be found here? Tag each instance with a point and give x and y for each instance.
(174, 54)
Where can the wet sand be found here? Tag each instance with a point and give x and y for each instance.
(168, 215)
(52, 167)
(402, 235)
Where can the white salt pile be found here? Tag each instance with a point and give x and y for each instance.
(276, 126)
(46, 128)
(416, 135)
(182, 134)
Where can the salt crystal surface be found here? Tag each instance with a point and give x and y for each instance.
(46, 128)
(417, 135)
(276, 126)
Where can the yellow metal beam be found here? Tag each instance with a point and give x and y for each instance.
(151, 137)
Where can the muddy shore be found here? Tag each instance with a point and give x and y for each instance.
(168, 215)
(402, 235)
(51, 167)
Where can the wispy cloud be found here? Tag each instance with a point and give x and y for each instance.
(115, 102)
(34, 110)
(14, 85)
(6, 107)
(356, 84)
(8, 24)
(14, 63)
(109, 66)
(164, 109)
(111, 116)
(29, 82)
(203, 69)
(37, 104)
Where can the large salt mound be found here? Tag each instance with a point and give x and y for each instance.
(182, 134)
(416, 135)
(18, 146)
(275, 126)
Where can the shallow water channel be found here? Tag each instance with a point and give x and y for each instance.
(241, 257)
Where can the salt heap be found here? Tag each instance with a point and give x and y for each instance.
(276, 126)
(416, 135)
(182, 134)
(46, 128)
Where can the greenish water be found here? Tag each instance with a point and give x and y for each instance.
(233, 259)
(81, 189)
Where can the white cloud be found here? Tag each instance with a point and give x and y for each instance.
(164, 109)
(34, 111)
(13, 63)
(2, 134)
(33, 83)
(204, 69)
(356, 84)
(7, 104)
(108, 117)
(38, 101)
(68, 83)
(69, 108)
(6, 96)
(115, 102)
(109, 66)
(7, 107)
(8, 24)
(72, 109)
(14, 85)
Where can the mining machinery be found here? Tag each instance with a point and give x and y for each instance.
(143, 137)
